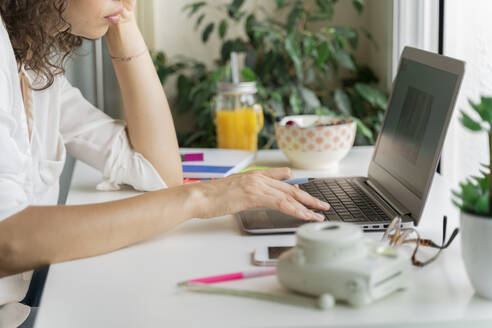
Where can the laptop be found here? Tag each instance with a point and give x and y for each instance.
(405, 156)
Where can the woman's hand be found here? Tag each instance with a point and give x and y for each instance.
(127, 21)
(128, 10)
(127, 16)
(256, 189)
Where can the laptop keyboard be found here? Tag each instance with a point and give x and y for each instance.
(348, 201)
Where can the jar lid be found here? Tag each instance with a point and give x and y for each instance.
(237, 88)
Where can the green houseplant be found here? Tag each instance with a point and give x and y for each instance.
(474, 199)
(292, 64)
(475, 194)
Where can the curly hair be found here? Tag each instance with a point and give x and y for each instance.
(39, 46)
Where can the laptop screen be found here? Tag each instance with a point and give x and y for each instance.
(415, 120)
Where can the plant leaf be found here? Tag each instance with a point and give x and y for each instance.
(199, 21)
(194, 7)
(222, 28)
(362, 128)
(470, 123)
(369, 36)
(294, 51)
(208, 30)
(282, 3)
(470, 193)
(345, 59)
(343, 103)
(482, 205)
(292, 48)
(475, 106)
(348, 33)
(484, 165)
(294, 16)
(310, 99)
(484, 109)
(295, 102)
(323, 53)
(373, 96)
(234, 9)
(277, 106)
(308, 44)
(456, 194)
(248, 74)
(458, 205)
(325, 8)
(359, 5)
(229, 46)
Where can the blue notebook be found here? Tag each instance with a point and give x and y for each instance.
(217, 163)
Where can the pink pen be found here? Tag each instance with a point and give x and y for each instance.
(233, 276)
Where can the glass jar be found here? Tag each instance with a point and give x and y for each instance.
(238, 116)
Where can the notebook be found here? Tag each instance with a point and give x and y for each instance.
(217, 163)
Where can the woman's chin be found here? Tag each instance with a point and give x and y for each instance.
(93, 34)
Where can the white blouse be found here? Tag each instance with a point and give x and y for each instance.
(30, 168)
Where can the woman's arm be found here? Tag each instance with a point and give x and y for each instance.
(39, 235)
(150, 125)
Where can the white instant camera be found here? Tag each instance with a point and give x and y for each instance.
(334, 260)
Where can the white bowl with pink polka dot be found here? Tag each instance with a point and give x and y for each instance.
(314, 147)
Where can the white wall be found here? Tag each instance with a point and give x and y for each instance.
(468, 36)
(380, 24)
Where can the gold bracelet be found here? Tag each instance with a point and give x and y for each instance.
(124, 59)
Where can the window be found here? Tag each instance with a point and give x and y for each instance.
(467, 36)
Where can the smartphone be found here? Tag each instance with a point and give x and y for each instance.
(267, 256)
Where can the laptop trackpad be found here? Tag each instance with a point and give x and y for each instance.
(267, 219)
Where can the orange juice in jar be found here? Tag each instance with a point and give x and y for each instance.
(238, 117)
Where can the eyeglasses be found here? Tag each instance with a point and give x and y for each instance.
(396, 236)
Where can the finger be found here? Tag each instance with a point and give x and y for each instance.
(287, 204)
(260, 193)
(281, 173)
(300, 195)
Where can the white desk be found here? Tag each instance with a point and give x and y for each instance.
(136, 287)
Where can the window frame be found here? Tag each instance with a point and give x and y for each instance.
(416, 23)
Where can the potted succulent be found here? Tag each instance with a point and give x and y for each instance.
(475, 201)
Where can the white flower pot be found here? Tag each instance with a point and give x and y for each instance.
(476, 244)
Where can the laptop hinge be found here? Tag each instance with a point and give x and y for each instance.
(400, 209)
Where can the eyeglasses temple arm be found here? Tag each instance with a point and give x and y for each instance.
(444, 225)
(453, 235)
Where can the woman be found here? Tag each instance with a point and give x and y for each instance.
(42, 116)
